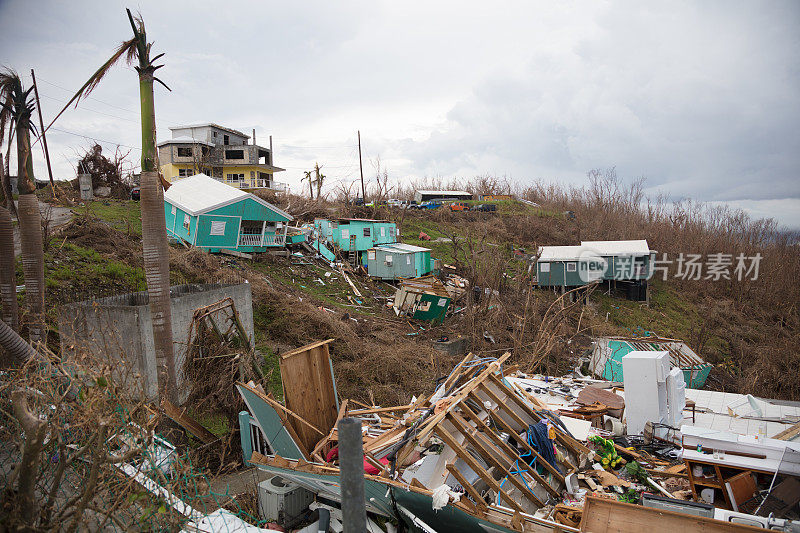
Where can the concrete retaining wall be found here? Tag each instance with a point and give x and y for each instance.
(118, 331)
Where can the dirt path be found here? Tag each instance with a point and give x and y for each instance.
(58, 217)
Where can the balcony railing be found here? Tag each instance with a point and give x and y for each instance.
(250, 240)
(259, 184)
(261, 240)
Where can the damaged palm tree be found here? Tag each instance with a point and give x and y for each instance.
(154, 232)
(15, 116)
(8, 285)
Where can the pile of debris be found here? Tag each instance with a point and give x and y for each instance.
(493, 448)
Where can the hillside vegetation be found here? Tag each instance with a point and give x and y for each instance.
(748, 328)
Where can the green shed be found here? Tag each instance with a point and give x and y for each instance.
(209, 214)
(399, 260)
(572, 266)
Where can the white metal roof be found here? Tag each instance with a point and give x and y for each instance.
(639, 247)
(402, 247)
(184, 140)
(428, 191)
(565, 253)
(200, 194)
(210, 125)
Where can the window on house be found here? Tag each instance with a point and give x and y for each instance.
(252, 173)
(234, 154)
(214, 134)
(185, 172)
(235, 177)
(184, 151)
(572, 267)
(217, 227)
(366, 232)
(226, 140)
(186, 222)
(391, 232)
(544, 267)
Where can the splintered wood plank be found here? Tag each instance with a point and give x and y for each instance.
(491, 457)
(601, 515)
(567, 441)
(188, 423)
(506, 447)
(472, 491)
(500, 421)
(309, 390)
(430, 424)
(464, 455)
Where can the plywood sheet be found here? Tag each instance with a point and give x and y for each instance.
(601, 515)
(309, 390)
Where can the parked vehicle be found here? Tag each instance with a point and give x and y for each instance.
(135, 194)
(430, 204)
(486, 208)
(391, 202)
(459, 206)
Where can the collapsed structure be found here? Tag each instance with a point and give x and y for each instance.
(495, 449)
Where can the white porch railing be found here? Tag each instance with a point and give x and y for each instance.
(249, 240)
(274, 240)
(256, 240)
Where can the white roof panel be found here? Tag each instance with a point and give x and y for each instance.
(565, 253)
(200, 194)
(184, 140)
(402, 247)
(639, 247)
(427, 191)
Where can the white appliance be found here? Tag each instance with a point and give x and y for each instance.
(653, 393)
(281, 500)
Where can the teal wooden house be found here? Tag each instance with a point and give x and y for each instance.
(211, 215)
(355, 234)
(398, 260)
(572, 266)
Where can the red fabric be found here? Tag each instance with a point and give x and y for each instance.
(369, 468)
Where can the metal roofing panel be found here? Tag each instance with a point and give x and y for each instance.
(564, 253)
(200, 193)
(428, 191)
(402, 247)
(638, 247)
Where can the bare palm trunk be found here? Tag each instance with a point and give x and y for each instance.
(30, 236)
(8, 275)
(154, 244)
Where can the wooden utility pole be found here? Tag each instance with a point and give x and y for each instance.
(44, 138)
(316, 170)
(361, 168)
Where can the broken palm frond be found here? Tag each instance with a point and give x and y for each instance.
(218, 355)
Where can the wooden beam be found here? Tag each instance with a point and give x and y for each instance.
(491, 456)
(508, 449)
(377, 410)
(788, 433)
(188, 423)
(464, 455)
(511, 431)
(471, 490)
(576, 447)
(601, 515)
(430, 424)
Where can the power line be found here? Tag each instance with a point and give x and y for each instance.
(95, 139)
(90, 109)
(89, 97)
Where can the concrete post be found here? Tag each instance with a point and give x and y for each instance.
(244, 436)
(351, 461)
(85, 185)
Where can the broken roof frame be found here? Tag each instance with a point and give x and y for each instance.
(471, 414)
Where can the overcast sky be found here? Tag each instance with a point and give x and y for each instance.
(702, 99)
